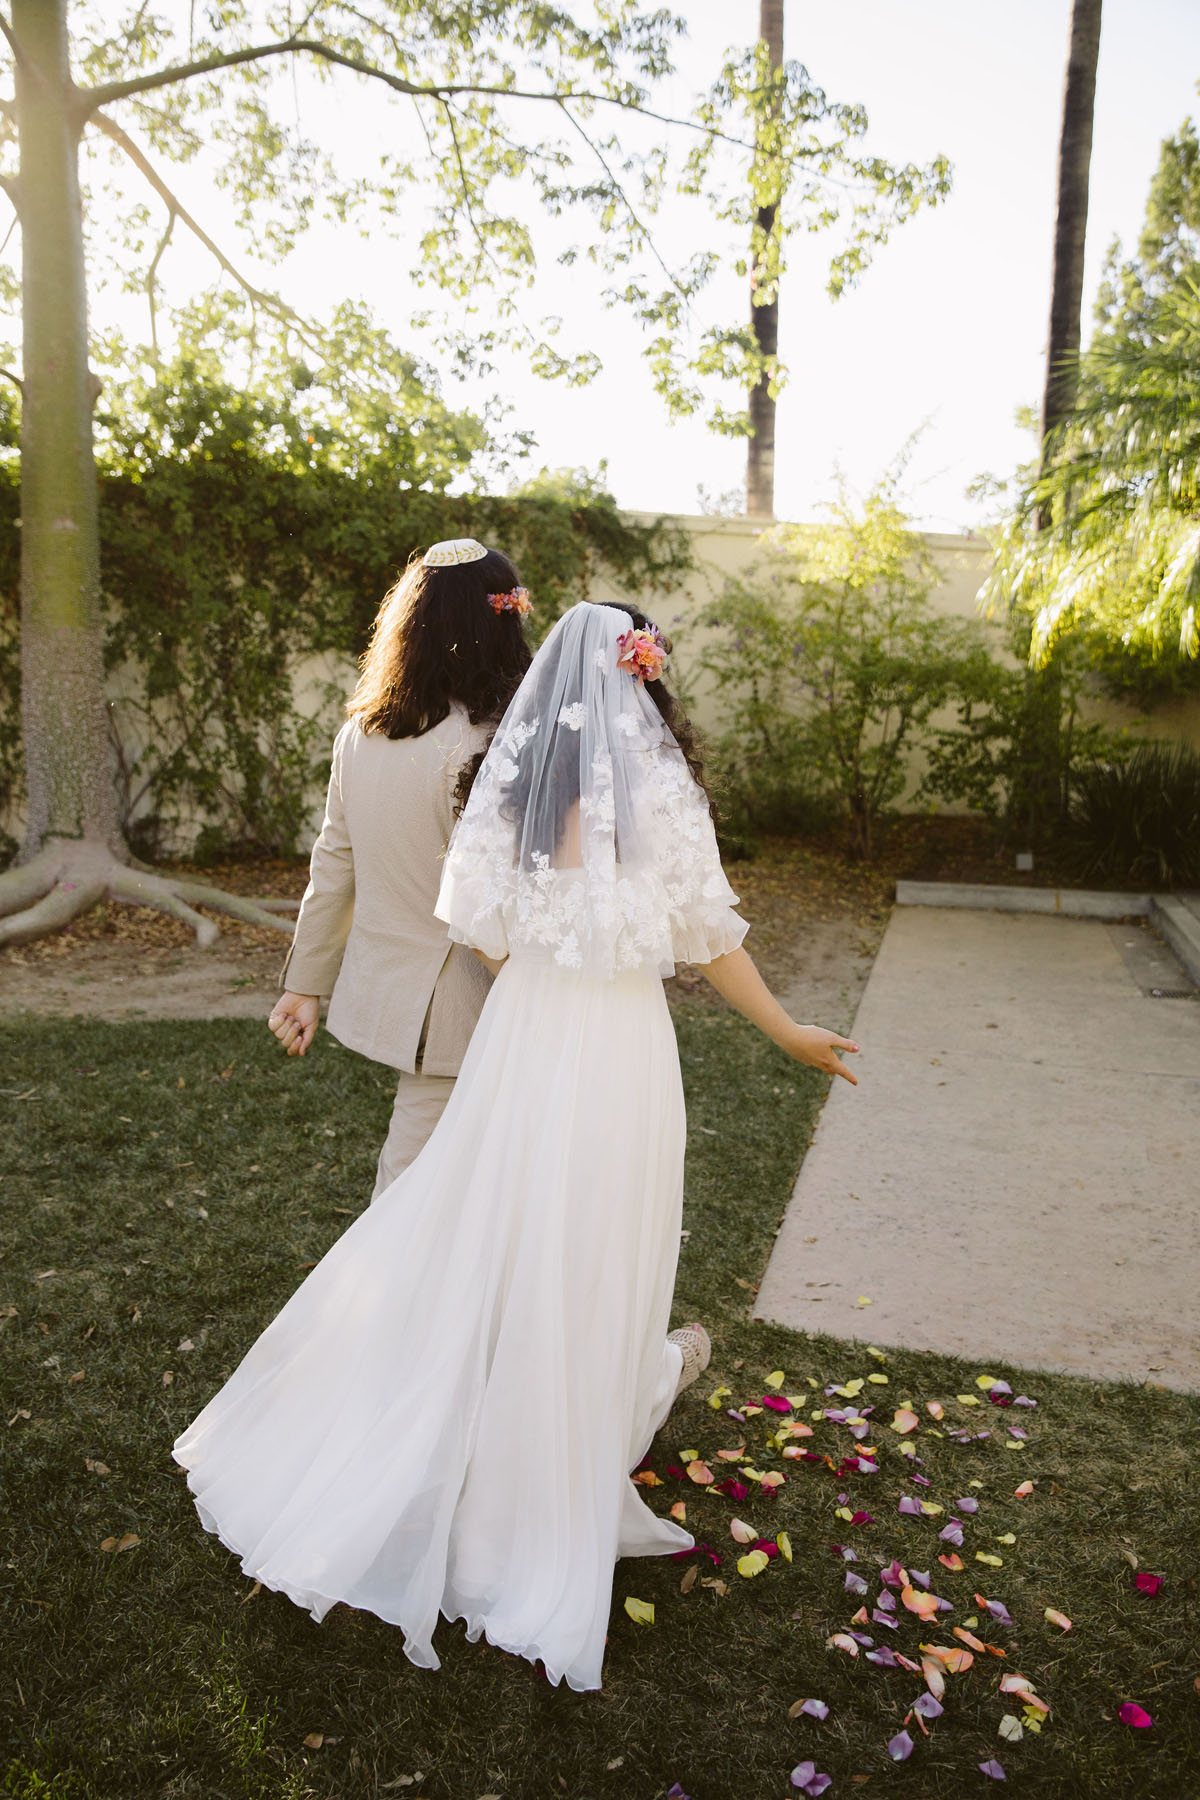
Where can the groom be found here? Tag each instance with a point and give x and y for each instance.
(446, 655)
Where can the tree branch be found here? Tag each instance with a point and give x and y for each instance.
(258, 296)
(7, 29)
(88, 99)
(15, 379)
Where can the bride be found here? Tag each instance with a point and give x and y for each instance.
(443, 1417)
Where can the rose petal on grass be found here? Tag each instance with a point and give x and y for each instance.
(927, 1707)
(993, 1562)
(904, 1421)
(952, 1533)
(785, 1545)
(640, 1611)
(861, 1617)
(968, 1504)
(1145, 1583)
(935, 1681)
(679, 1512)
(997, 1609)
(700, 1473)
(806, 1777)
(647, 1478)
(753, 1563)
(953, 1562)
(992, 1770)
(1024, 1490)
(1057, 1618)
(894, 1575)
(968, 1638)
(777, 1403)
(935, 1409)
(736, 1490)
(924, 1605)
(841, 1640)
(775, 1379)
(813, 1709)
(741, 1532)
(901, 1747)
(1011, 1728)
(1131, 1713)
(951, 1658)
(885, 1657)
(854, 1584)
(909, 1505)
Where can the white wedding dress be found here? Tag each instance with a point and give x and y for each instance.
(443, 1417)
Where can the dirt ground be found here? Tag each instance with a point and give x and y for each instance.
(816, 920)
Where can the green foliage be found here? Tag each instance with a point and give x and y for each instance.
(479, 110)
(830, 662)
(1138, 820)
(1014, 732)
(237, 546)
(1104, 539)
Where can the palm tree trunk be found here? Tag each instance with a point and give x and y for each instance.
(764, 321)
(70, 788)
(1046, 793)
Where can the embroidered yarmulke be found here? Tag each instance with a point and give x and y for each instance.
(453, 550)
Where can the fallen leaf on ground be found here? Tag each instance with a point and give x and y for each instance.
(125, 1542)
(689, 1579)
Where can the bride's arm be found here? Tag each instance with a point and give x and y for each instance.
(494, 963)
(737, 980)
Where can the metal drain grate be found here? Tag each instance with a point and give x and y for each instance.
(1174, 994)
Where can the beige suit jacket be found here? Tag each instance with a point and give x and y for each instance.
(366, 935)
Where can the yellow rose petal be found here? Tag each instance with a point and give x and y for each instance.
(640, 1611)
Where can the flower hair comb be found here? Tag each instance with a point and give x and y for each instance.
(642, 653)
(516, 601)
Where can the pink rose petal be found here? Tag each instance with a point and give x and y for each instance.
(1146, 1583)
(1133, 1714)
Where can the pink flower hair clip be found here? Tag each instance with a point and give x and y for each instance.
(515, 601)
(642, 653)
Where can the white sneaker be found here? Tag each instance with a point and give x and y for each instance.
(696, 1346)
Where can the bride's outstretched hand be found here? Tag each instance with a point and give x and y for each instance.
(813, 1045)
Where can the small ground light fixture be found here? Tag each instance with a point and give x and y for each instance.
(1024, 861)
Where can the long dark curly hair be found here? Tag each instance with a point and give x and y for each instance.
(674, 717)
(437, 641)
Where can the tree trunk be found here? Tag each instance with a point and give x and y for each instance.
(1046, 779)
(73, 856)
(70, 788)
(764, 322)
(1070, 228)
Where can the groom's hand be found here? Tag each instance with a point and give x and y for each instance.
(294, 1019)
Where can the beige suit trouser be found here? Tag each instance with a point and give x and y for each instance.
(420, 1102)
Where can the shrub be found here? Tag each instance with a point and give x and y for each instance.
(831, 662)
(1138, 819)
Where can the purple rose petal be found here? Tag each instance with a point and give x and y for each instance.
(920, 1578)
(952, 1533)
(854, 1584)
(884, 1656)
(928, 1707)
(999, 1611)
(910, 1505)
(992, 1770)
(901, 1747)
(967, 1504)
(893, 1575)
(882, 1618)
(816, 1709)
(1024, 1400)
(887, 1602)
(860, 1637)
(1017, 1431)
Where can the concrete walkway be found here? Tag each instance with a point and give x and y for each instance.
(1017, 1176)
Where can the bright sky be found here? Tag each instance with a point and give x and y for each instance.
(946, 330)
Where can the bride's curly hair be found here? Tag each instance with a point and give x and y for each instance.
(437, 641)
(674, 717)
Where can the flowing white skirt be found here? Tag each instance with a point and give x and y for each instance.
(444, 1415)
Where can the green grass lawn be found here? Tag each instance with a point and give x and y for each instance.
(164, 1186)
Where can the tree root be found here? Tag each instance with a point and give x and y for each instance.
(68, 877)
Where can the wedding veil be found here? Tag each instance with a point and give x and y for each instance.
(586, 841)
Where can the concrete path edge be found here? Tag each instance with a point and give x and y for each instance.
(1178, 924)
